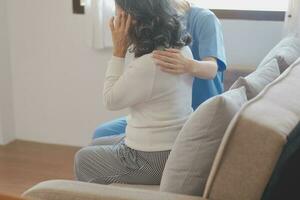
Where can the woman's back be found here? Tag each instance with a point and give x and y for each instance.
(159, 102)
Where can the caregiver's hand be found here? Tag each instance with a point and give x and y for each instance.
(120, 26)
(172, 61)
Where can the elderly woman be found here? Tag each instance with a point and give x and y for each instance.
(207, 66)
(159, 102)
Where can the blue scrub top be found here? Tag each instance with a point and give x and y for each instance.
(207, 41)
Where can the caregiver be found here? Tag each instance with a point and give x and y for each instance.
(207, 67)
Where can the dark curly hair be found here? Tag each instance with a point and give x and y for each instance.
(157, 26)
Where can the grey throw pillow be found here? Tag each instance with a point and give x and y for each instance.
(192, 155)
(287, 51)
(259, 79)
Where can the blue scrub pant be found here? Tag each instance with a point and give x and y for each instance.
(115, 127)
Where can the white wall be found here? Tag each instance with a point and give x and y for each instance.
(247, 42)
(58, 79)
(6, 101)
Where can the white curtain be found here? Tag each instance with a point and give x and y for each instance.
(292, 19)
(98, 14)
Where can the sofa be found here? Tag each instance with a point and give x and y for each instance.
(246, 157)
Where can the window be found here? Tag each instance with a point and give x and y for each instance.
(78, 6)
(258, 5)
(271, 10)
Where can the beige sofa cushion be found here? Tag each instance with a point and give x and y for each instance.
(259, 79)
(74, 190)
(192, 155)
(254, 140)
(144, 187)
(287, 51)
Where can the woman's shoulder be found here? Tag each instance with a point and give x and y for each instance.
(144, 62)
(144, 59)
(186, 51)
(147, 61)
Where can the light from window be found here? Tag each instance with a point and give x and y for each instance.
(82, 3)
(261, 5)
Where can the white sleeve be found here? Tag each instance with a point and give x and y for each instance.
(125, 89)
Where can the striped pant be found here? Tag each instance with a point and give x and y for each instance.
(117, 163)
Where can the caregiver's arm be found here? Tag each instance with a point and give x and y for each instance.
(172, 61)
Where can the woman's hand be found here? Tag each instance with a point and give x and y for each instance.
(119, 28)
(172, 61)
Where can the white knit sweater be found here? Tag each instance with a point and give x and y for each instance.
(159, 102)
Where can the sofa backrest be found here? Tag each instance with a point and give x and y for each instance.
(287, 51)
(254, 140)
(284, 183)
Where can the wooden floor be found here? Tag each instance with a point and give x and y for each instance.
(24, 164)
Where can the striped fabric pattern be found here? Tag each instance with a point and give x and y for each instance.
(107, 164)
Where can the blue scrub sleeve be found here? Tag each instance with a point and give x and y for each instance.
(210, 40)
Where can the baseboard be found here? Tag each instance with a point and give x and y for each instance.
(6, 142)
(46, 143)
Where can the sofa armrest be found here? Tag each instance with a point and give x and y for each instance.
(73, 190)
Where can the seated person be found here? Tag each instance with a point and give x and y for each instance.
(159, 102)
(207, 67)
